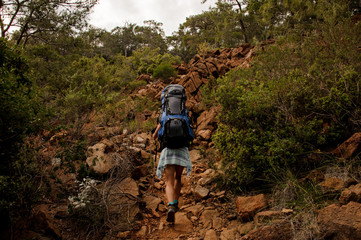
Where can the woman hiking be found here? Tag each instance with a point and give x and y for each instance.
(175, 134)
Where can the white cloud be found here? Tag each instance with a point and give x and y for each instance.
(109, 14)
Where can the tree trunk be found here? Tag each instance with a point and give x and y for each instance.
(243, 28)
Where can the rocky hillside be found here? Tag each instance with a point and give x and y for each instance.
(125, 200)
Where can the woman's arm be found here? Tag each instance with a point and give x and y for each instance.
(155, 134)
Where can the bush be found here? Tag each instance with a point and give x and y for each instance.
(164, 71)
(297, 98)
(18, 113)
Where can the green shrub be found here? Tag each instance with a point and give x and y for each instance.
(297, 98)
(135, 84)
(19, 106)
(164, 71)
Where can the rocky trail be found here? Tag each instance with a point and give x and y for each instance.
(128, 200)
(205, 211)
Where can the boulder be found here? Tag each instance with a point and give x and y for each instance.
(128, 186)
(194, 209)
(140, 171)
(229, 234)
(124, 235)
(211, 235)
(205, 134)
(182, 69)
(43, 221)
(201, 192)
(350, 147)
(195, 156)
(152, 204)
(278, 231)
(206, 119)
(217, 223)
(183, 224)
(209, 173)
(207, 217)
(248, 206)
(204, 181)
(143, 232)
(340, 222)
(353, 193)
(101, 157)
(122, 204)
(245, 228)
(332, 184)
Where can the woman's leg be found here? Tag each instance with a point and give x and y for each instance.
(170, 172)
(178, 181)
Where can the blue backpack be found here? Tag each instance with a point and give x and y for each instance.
(175, 131)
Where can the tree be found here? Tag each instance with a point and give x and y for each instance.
(218, 28)
(281, 17)
(18, 114)
(128, 38)
(240, 11)
(38, 19)
(152, 35)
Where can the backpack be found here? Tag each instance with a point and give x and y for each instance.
(175, 131)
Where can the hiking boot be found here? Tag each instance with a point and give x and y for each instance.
(170, 214)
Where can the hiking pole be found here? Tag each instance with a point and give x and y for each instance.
(155, 155)
(156, 149)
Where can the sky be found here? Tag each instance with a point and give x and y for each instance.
(108, 14)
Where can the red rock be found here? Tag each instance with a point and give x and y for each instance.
(140, 171)
(182, 69)
(42, 219)
(152, 203)
(124, 235)
(208, 216)
(182, 223)
(237, 53)
(332, 183)
(265, 216)
(206, 119)
(211, 235)
(343, 222)
(229, 234)
(314, 176)
(353, 193)
(350, 147)
(101, 157)
(128, 186)
(279, 231)
(248, 206)
(205, 134)
(201, 192)
(145, 77)
(195, 209)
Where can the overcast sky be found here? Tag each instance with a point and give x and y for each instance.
(108, 14)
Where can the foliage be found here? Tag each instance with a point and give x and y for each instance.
(70, 153)
(304, 198)
(18, 103)
(41, 20)
(218, 27)
(19, 172)
(126, 39)
(281, 17)
(164, 71)
(145, 60)
(299, 96)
